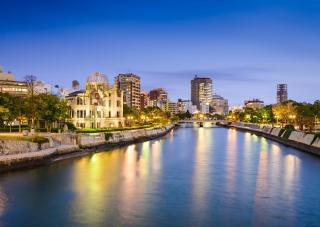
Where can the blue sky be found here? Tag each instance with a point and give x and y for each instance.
(246, 47)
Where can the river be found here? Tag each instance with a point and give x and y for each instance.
(190, 177)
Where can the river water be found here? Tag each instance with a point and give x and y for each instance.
(190, 177)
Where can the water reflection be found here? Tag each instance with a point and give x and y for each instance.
(277, 175)
(3, 201)
(194, 177)
(231, 161)
(202, 161)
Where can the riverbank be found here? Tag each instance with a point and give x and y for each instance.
(71, 145)
(302, 141)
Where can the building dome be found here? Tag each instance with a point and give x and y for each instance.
(97, 77)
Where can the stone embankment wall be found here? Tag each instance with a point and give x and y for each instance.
(8, 146)
(16, 154)
(298, 139)
(119, 137)
(62, 141)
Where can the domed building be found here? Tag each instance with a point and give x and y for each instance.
(100, 105)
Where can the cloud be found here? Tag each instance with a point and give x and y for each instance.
(240, 74)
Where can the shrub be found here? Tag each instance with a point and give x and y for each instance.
(55, 130)
(281, 132)
(39, 139)
(71, 126)
(14, 128)
(287, 133)
(93, 130)
(289, 127)
(316, 136)
(107, 135)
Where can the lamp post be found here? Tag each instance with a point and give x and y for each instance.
(143, 118)
(292, 118)
(129, 120)
(277, 118)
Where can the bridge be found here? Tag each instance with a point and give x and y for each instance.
(205, 123)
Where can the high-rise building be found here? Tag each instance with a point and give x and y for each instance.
(158, 94)
(158, 97)
(186, 105)
(219, 105)
(282, 93)
(144, 100)
(172, 107)
(42, 87)
(10, 86)
(201, 91)
(129, 84)
(5, 75)
(204, 107)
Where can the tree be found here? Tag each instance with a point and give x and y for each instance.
(188, 115)
(185, 115)
(30, 79)
(155, 114)
(307, 114)
(285, 112)
(130, 111)
(12, 109)
(51, 109)
(316, 110)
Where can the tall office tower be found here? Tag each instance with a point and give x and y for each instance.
(219, 105)
(158, 94)
(144, 100)
(201, 91)
(130, 85)
(158, 97)
(282, 93)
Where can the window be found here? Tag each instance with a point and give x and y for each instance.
(118, 114)
(109, 113)
(118, 103)
(109, 103)
(79, 101)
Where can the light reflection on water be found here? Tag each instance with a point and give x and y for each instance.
(201, 166)
(193, 176)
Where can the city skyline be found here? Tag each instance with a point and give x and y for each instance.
(245, 48)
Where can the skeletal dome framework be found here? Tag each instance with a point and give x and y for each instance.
(97, 77)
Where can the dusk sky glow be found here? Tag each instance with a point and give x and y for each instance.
(246, 47)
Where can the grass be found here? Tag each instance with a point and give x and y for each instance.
(93, 130)
(34, 139)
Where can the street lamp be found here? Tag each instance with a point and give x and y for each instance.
(277, 118)
(129, 120)
(292, 118)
